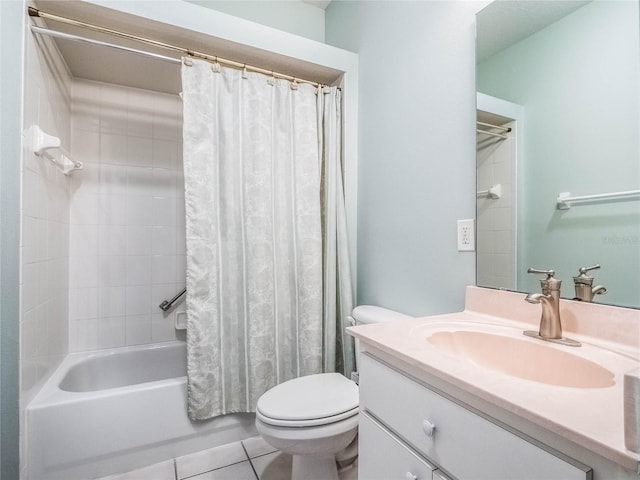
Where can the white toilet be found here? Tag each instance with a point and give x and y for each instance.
(313, 418)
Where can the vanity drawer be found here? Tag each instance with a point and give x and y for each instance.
(463, 443)
(381, 456)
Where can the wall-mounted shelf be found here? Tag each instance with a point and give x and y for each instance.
(565, 200)
(41, 144)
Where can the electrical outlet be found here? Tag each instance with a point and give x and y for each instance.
(466, 235)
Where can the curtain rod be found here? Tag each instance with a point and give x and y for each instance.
(492, 134)
(90, 41)
(35, 12)
(506, 129)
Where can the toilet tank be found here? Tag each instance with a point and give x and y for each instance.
(365, 314)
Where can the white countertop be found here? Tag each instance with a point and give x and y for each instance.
(590, 417)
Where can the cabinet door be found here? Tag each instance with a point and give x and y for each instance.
(468, 446)
(381, 456)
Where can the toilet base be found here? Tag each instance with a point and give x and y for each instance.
(312, 467)
(313, 449)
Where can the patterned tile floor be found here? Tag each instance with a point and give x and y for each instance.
(251, 459)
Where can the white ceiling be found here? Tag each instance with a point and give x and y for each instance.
(112, 66)
(323, 4)
(503, 23)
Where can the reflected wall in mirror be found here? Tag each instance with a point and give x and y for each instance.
(574, 78)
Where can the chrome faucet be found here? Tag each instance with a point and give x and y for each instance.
(550, 323)
(583, 284)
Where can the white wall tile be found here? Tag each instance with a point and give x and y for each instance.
(138, 270)
(113, 108)
(140, 181)
(138, 300)
(83, 240)
(140, 211)
(138, 329)
(166, 154)
(140, 114)
(113, 149)
(163, 269)
(83, 271)
(84, 210)
(132, 196)
(113, 240)
(111, 270)
(113, 179)
(85, 107)
(84, 335)
(162, 328)
(111, 302)
(164, 183)
(139, 240)
(163, 241)
(42, 239)
(163, 211)
(111, 332)
(181, 268)
(113, 209)
(139, 151)
(83, 303)
(86, 180)
(85, 146)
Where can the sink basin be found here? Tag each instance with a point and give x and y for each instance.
(522, 358)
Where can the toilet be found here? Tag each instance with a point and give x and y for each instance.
(314, 418)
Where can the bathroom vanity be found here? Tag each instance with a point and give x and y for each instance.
(467, 396)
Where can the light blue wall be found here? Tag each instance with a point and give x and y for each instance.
(11, 21)
(578, 82)
(416, 148)
(290, 16)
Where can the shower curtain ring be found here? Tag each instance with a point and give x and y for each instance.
(215, 67)
(245, 74)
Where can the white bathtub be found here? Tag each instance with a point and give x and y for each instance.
(116, 410)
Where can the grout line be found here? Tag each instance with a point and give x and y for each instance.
(250, 462)
(219, 468)
(175, 469)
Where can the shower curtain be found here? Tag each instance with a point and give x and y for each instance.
(255, 168)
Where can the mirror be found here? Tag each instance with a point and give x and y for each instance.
(561, 82)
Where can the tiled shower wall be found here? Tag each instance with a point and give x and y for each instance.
(44, 240)
(127, 242)
(496, 233)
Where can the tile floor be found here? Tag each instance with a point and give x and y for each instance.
(251, 459)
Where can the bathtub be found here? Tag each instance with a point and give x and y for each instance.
(116, 410)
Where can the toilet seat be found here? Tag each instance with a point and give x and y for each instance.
(308, 401)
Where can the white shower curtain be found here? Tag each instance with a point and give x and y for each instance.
(253, 176)
(337, 296)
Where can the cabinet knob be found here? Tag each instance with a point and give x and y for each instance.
(428, 428)
(410, 476)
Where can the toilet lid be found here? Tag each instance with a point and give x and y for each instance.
(308, 398)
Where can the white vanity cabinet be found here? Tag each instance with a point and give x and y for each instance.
(387, 457)
(403, 421)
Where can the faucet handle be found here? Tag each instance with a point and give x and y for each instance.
(549, 283)
(584, 270)
(548, 273)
